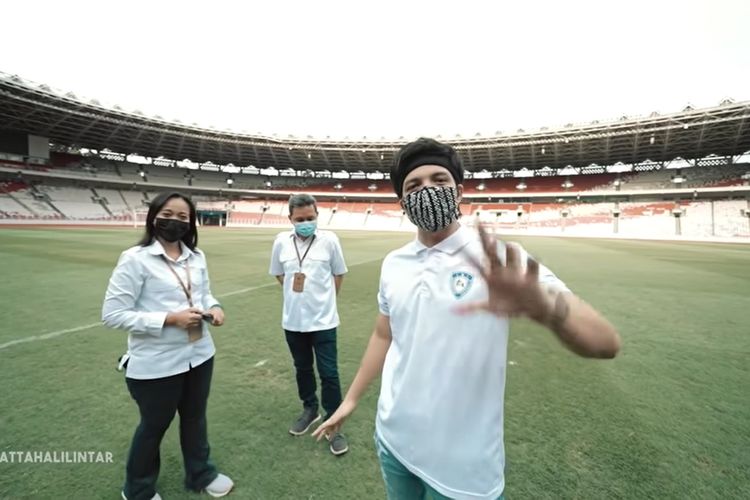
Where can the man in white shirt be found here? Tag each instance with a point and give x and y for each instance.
(309, 265)
(440, 340)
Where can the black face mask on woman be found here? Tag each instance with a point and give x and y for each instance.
(171, 230)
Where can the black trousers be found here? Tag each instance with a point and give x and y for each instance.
(306, 347)
(158, 400)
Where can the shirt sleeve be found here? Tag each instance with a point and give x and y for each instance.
(338, 264)
(383, 305)
(546, 277)
(123, 291)
(208, 298)
(276, 268)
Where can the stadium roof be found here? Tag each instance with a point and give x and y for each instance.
(69, 121)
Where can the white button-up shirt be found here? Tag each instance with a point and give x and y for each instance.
(440, 410)
(141, 292)
(314, 308)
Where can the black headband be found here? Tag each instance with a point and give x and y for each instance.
(443, 161)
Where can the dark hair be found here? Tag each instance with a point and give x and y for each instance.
(421, 152)
(191, 237)
(301, 200)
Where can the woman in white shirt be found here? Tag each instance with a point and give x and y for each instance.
(160, 294)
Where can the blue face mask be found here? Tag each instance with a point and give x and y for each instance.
(306, 229)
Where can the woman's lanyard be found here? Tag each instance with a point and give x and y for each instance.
(195, 332)
(187, 289)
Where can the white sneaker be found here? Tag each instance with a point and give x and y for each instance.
(155, 497)
(220, 486)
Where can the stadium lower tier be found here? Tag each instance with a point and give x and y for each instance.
(696, 219)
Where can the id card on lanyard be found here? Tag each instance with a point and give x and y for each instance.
(194, 332)
(298, 282)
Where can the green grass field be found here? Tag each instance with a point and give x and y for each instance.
(669, 418)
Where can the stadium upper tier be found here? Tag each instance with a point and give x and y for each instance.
(107, 173)
(69, 121)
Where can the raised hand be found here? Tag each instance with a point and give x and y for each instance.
(513, 287)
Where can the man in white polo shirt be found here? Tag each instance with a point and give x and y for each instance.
(309, 264)
(440, 340)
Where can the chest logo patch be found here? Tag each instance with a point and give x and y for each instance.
(461, 283)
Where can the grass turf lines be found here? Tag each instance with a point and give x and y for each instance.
(669, 418)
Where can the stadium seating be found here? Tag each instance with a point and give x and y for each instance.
(642, 219)
(695, 177)
(503, 185)
(716, 176)
(134, 199)
(74, 203)
(59, 201)
(10, 206)
(115, 202)
(35, 203)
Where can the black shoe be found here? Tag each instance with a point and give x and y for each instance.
(338, 444)
(304, 422)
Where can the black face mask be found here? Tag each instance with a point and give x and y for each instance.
(171, 230)
(432, 208)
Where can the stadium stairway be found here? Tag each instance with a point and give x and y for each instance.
(9, 188)
(98, 199)
(44, 198)
(24, 205)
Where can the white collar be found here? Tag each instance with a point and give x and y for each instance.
(156, 248)
(450, 245)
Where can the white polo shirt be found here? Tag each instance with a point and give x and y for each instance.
(141, 291)
(440, 410)
(314, 308)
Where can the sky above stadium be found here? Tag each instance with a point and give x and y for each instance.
(385, 68)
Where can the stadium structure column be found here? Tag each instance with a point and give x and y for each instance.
(745, 212)
(713, 220)
(228, 207)
(678, 212)
(564, 213)
(616, 218)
